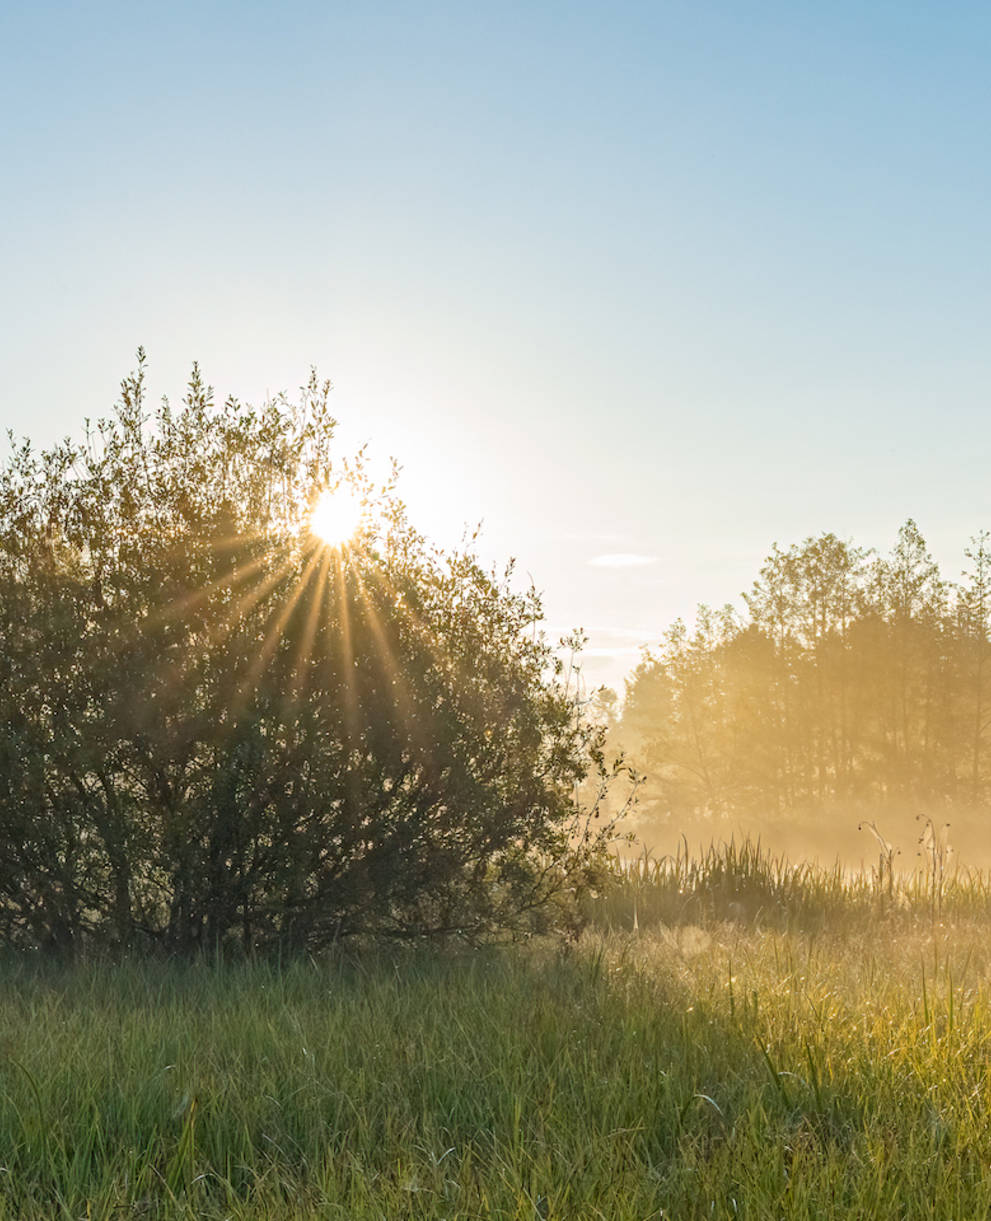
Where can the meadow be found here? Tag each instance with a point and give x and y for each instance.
(800, 1063)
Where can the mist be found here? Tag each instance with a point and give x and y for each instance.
(845, 710)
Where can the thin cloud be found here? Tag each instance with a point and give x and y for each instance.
(603, 651)
(599, 630)
(622, 559)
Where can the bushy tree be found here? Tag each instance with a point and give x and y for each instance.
(219, 729)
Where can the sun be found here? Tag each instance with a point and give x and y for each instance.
(336, 516)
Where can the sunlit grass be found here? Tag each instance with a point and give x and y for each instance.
(742, 882)
(707, 1070)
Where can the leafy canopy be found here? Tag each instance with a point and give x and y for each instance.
(220, 729)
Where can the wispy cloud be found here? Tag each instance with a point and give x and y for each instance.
(622, 559)
(601, 630)
(607, 652)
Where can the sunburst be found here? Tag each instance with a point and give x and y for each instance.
(337, 516)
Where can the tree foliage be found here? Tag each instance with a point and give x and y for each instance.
(851, 678)
(218, 730)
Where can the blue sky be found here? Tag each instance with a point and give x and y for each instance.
(670, 281)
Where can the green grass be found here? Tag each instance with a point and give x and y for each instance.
(719, 1071)
(742, 882)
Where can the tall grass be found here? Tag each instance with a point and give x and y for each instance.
(702, 1067)
(740, 881)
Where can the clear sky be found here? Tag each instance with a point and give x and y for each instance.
(664, 281)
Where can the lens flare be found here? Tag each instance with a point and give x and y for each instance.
(336, 516)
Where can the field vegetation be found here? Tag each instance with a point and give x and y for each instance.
(822, 1052)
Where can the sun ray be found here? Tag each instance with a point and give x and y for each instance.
(179, 606)
(173, 675)
(385, 583)
(401, 689)
(310, 627)
(349, 694)
(251, 598)
(271, 638)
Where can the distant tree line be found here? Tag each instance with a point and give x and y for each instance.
(850, 677)
(217, 731)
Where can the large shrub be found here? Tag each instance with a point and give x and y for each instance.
(217, 729)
